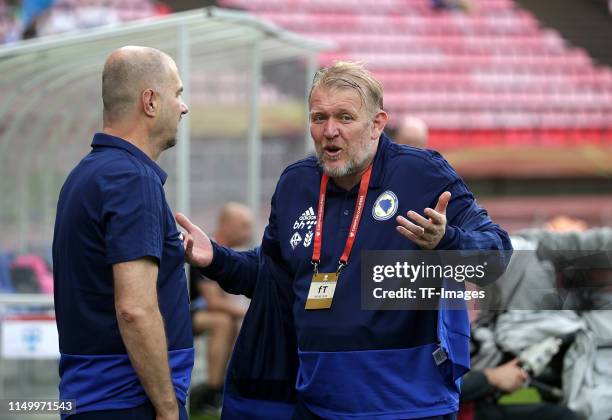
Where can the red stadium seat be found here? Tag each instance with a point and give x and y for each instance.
(494, 70)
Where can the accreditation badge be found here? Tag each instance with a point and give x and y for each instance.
(321, 291)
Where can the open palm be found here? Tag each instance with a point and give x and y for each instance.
(198, 248)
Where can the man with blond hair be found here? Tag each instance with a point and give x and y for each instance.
(361, 192)
(118, 262)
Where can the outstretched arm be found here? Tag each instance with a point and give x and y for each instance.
(236, 272)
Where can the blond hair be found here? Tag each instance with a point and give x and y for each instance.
(351, 75)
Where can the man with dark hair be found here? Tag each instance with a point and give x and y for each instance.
(120, 287)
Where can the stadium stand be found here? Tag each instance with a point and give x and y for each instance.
(71, 15)
(592, 30)
(491, 76)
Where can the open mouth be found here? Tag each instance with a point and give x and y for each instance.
(332, 151)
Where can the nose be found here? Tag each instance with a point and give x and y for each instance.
(184, 108)
(330, 130)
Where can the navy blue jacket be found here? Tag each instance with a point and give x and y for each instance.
(260, 380)
(353, 362)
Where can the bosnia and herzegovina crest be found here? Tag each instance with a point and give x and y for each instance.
(385, 206)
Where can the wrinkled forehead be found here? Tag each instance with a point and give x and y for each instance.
(334, 97)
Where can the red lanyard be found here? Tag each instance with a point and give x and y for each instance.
(350, 240)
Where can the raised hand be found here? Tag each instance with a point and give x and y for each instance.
(198, 248)
(426, 233)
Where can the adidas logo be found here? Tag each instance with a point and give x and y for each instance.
(308, 215)
(306, 221)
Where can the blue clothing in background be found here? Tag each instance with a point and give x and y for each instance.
(6, 285)
(31, 9)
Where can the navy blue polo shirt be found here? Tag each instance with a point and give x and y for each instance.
(112, 208)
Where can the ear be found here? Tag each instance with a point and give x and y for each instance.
(379, 123)
(149, 99)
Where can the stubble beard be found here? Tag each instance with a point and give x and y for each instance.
(336, 172)
(170, 143)
(351, 167)
(172, 140)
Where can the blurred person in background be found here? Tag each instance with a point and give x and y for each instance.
(31, 13)
(413, 132)
(558, 285)
(462, 5)
(491, 377)
(10, 13)
(216, 312)
(582, 263)
(121, 300)
(65, 16)
(564, 223)
(482, 388)
(355, 363)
